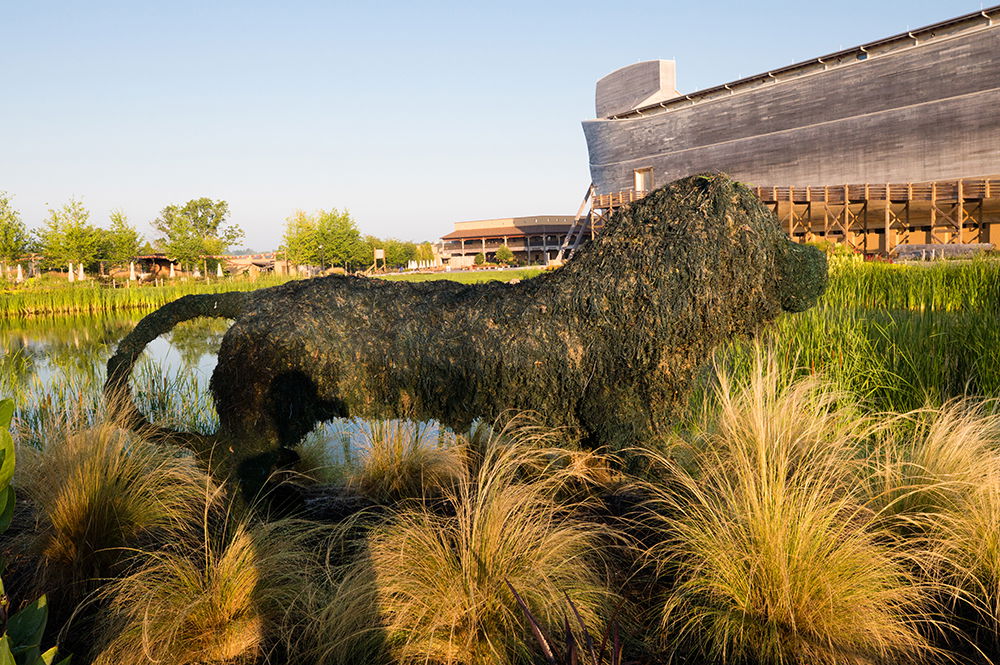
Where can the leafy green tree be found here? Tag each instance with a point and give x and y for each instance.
(504, 255)
(424, 252)
(301, 240)
(121, 240)
(339, 241)
(480, 259)
(194, 229)
(68, 236)
(14, 237)
(399, 252)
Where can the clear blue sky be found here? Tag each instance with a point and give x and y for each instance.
(412, 115)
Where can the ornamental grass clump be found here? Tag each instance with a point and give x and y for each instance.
(403, 459)
(99, 493)
(769, 551)
(935, 459)
(336, 621)
(442, 570)
(967, 541)
(940, 475)
(220, 603)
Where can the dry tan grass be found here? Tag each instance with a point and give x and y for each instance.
(932, 459)
(101, 492)
(939, 472)
(402, 460)
(769, 550)
(429, 583)
(222, 603)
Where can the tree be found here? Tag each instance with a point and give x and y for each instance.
(339, 241)
(504, 255)
(424, 252)
(301, 240)
(399, 252)
(68, 237)
(480, 259)
(121, 241)
(14, 238)
(195, 229)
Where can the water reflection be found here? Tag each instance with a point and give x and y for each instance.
(55, 368)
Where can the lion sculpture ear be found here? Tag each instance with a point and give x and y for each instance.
(803, 277)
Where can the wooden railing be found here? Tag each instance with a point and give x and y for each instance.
(945, 191)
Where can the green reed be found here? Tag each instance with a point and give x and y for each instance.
(889, 360)
(91, 297)
(939, 286)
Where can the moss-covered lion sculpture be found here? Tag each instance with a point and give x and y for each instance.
(606, 346)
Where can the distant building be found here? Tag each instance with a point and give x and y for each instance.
(531, 239)
(889, 143)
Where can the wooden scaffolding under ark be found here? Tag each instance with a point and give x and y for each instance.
(870, 218)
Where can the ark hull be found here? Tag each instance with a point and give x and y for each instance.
(914, 111)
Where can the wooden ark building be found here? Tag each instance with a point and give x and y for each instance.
(889, 143)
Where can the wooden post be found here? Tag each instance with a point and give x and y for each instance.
(933, 212)
(889, 244)
(960, 211)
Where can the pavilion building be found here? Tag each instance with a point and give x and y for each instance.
(532, 239)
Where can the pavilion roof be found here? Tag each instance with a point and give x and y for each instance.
(507, 232)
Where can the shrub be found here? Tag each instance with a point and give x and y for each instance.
(504, 255)
(480, 259)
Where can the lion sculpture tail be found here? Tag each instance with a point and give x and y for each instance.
(121, 404)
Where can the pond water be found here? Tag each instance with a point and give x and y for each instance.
(39, 352)
(57, 365)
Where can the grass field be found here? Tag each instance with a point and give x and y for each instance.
(92, 298)
(470, 277)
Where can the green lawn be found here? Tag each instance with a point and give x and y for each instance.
(470, 276)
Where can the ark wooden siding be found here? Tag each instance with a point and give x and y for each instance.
(931, 112)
